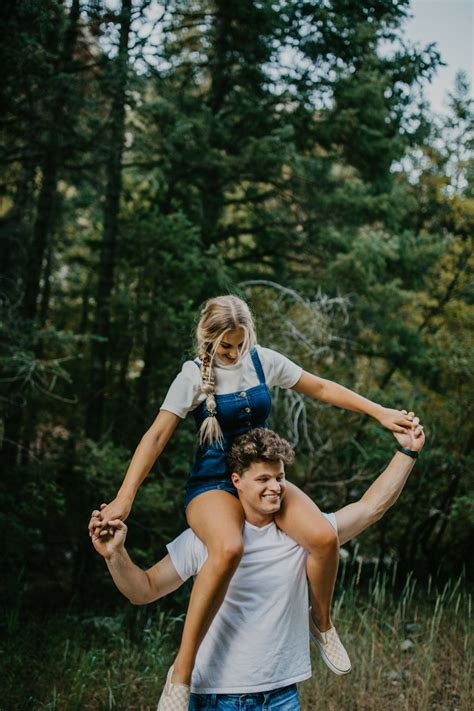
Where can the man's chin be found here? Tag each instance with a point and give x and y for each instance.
(271, 507)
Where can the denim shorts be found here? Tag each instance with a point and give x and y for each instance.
(283, 699)
(193, 489)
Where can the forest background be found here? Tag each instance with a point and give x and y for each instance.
(157, 154)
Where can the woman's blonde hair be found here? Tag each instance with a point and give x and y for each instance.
(219, 315)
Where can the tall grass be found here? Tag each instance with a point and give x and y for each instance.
(410, 651)
(81, 663)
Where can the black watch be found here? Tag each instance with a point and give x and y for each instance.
(409, 452)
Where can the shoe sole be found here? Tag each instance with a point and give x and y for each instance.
(328, 663)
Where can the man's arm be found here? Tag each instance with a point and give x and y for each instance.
(139, 586)
(383, 493)
(143, 586)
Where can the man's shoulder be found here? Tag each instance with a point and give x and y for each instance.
(187, 539)
(275, 536)
(187, 553)
(331, 517)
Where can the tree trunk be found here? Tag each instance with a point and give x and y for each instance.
(50, 167)
(14, 232)
(95, 405)
(42, 228)
(150, 357)
(46, 294)
(212, 196)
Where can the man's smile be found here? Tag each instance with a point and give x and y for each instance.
(272, 497)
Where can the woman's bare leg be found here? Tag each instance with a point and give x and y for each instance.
(301, 519)
(216, 517)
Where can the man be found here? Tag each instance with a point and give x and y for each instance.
(257, 647)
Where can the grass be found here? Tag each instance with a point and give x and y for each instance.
(87, 663)
(410, 651)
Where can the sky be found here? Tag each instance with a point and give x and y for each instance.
(449, 23)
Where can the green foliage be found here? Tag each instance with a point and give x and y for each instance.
(79, 662)
(282, 151)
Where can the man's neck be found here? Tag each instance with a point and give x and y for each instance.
(257, 519)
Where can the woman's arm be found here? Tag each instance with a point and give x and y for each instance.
(328, 391)
(149, 449)
(151, 446)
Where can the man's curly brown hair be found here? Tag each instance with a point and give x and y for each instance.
(258, 445)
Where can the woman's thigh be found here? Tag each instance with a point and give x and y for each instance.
(301, 519)
(216, 517)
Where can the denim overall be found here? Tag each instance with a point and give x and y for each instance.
(236, 413)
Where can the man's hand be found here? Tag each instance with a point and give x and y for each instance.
(107, 542)
(118, 508)
(396, 420)
(413, 438)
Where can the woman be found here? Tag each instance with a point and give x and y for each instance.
(227, 389)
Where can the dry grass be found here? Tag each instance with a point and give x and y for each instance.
(409, 652)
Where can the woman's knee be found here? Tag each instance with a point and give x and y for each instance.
(324, 542)
(227, 554)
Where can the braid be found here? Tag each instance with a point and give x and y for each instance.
(210, 430)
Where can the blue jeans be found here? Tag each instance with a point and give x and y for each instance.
(283, 699)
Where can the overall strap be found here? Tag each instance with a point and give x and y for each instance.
(197, 362)
(257, 365)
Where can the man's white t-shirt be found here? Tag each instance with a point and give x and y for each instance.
(259, 639)
(185, 391)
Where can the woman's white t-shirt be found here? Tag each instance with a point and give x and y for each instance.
(185, 392)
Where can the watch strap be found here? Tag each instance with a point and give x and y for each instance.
(409, 452)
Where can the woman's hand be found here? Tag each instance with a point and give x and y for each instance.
(107, 542)
(412, 439)
(117, 509)
(396, 420)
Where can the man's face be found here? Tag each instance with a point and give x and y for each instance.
(261, 488)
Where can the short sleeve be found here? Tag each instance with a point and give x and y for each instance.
(279, 370)
(331, 517)
(184, 393)
(188, 553)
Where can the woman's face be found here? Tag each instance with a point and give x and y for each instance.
(228, 350)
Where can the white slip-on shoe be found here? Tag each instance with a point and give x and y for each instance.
(331, 648)
(175, 697)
